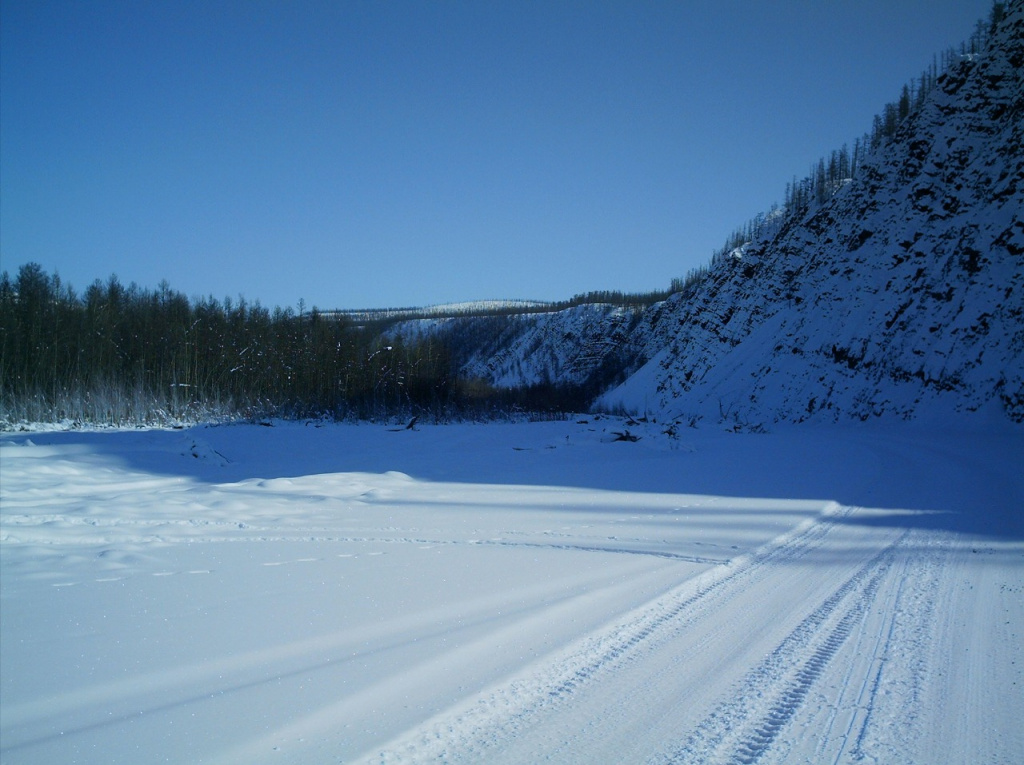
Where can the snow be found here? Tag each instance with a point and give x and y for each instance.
(569, 345)
(512, 593)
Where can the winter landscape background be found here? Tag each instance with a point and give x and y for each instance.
(784, 523)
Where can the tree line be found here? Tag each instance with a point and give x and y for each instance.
(119, 354)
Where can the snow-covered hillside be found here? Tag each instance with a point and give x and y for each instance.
(582, 345)
(903, 295)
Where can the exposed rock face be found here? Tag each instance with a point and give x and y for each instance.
(902, 295)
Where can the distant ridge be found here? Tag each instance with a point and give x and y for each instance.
(466, 308)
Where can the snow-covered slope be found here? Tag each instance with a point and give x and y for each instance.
(903, 295)
(590, 345)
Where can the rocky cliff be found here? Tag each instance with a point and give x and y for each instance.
(902, 295)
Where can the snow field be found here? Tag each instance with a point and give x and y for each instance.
(510, 593)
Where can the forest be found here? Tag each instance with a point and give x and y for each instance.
(829, 174)
(119, 354)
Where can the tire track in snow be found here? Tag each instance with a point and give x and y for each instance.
(464, 733)
(899, 661)
(744, 727)
(875, 653)
(757, 743)
(178, 531)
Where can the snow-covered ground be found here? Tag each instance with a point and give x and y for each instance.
(512, 593)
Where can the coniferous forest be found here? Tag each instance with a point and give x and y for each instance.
(119, 355)
(828, 175)
(127, 354)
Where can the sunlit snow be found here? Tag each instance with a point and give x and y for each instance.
(511, 593)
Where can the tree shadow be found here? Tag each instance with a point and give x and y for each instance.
(957, 482)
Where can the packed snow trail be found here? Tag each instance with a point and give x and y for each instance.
(511, 593)
(654, 676)
(832, 644)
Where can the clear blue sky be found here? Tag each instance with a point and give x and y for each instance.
(393, 153)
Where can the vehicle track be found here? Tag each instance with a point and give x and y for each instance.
(515, 721)
(899, 659)
(742, 728)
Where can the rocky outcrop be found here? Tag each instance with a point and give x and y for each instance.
(902, 295)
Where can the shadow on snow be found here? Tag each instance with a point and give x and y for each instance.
(965, 483)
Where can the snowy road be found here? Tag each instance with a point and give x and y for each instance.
(511, 593)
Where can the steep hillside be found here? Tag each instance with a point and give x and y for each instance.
(902, 295)
(588, 346)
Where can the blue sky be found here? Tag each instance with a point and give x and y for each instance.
(392, 153)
